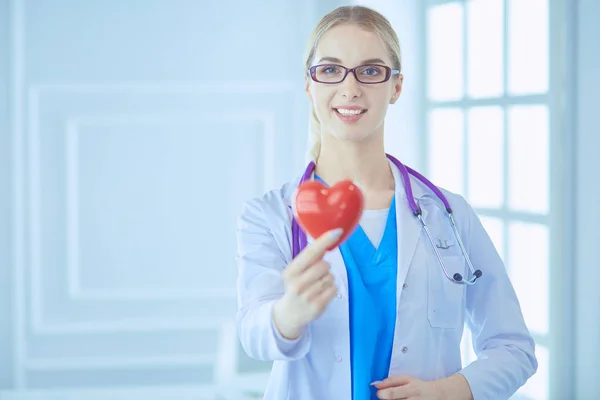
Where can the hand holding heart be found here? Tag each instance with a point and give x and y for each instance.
(309, 287)
(330, 216)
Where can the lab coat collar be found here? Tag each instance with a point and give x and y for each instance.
(408, 227)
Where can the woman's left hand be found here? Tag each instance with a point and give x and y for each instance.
(406, 387)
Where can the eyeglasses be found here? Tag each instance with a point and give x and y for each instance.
(335, 73)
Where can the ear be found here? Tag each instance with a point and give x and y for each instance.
(397, 89)
(307, 88)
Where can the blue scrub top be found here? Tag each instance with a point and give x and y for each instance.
(372, 300)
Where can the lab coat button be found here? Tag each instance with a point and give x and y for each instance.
(338, 295)
(404, 286)
(338, 358)
(405, 349)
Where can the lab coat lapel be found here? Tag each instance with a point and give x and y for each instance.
(408, 227)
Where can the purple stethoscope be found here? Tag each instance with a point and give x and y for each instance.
(299, 240)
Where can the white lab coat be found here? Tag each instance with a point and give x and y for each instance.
(431, 310)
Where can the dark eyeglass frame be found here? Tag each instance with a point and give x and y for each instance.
(312, 71)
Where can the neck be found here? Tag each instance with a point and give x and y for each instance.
(365, 163)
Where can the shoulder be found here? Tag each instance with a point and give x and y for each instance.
(462, 211)
(459, 205)
(275, 203)
(268, 219)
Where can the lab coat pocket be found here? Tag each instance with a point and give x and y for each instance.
(445, 299)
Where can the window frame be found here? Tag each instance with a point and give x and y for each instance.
(559, 219)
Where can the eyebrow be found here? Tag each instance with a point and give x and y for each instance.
(369, 61)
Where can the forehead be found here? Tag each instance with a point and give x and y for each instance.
(352, 45)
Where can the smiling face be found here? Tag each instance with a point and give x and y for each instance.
(352, 110)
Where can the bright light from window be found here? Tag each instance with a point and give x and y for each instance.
(446, 148)
(445, 51)
(485, 64)
(528, 152)
(528, 265)
(486, 165)
(527, 46)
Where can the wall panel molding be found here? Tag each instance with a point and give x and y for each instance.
(40, 312)
(74, 127)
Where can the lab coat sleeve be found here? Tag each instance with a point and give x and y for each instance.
(504, 347)
(260, 284)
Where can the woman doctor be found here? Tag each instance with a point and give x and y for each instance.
(376, 317)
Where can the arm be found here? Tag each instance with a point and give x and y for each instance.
(454, 387)
(505, 349)
(260, 284)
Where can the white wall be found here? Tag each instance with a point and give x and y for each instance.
(130, 134)
(586, 104)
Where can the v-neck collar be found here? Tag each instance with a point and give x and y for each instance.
(363, 250)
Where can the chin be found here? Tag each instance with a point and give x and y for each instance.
(354, 134)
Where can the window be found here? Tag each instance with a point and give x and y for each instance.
(488, 127)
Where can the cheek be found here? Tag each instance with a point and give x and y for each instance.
(382, 99)
(321, 100)
(382, 104)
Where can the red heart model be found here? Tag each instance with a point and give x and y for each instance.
(319, 209)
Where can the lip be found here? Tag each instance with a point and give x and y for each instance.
(350, 107)
(350, 119)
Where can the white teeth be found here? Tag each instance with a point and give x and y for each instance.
(348, 112)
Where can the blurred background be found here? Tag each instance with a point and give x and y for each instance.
(132, 131)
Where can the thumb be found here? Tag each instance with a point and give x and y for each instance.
(315, 251)
(319, 247)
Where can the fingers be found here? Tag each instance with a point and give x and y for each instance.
(311, 276)
(396, 387)
(392, 381)
(318, 287)
(397, 393)
(320, 300)
(314, 251)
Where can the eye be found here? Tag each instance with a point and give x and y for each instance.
(329, 69)
(372, 71)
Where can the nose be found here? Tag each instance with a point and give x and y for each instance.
(350, 87)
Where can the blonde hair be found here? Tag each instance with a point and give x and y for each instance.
(360, 16)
